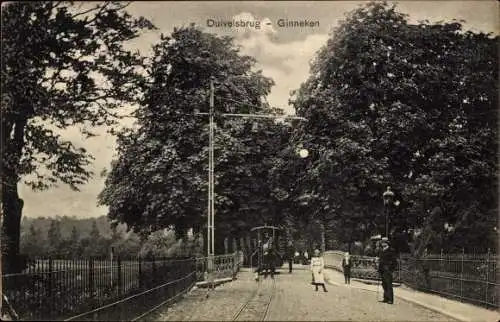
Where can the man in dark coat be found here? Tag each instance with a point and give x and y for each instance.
(387, 265)
(346, 267)
(290, 252)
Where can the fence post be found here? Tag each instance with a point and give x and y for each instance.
(462, 276)
(140, 274)
(50, 286)
(441, 261)
(154, 270)
(487, 275)
(234, 265)
(399, 266)
(91, 277)
(119, 275)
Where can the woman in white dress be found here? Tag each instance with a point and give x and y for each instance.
(317, 267)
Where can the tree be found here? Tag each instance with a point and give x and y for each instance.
(94, 233)
(406, 105)
(55, 55)
(159, 179)
(74, 243)
(54, 238)
(32, 242)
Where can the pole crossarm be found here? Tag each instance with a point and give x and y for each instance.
(272, 116)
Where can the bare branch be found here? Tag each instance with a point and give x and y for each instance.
(101, 8)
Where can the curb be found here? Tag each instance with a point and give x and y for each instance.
(433, 308)
(217, 282)
(373, 282)
(416, 302)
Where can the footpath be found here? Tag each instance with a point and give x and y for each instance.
(453, 309)
(293, 298)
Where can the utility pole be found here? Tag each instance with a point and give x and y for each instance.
(211, 208)
(211, 171)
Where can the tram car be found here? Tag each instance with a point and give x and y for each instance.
(268, 250)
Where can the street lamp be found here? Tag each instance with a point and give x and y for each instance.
(303, 153)
(387, 196)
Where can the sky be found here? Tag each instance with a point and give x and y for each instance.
(282, 53)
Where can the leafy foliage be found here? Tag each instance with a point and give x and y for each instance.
(159, 179)
(63, 66)
(412, 106)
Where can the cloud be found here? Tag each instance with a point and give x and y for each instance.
(287, 63)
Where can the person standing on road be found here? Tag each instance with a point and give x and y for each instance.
(317, 267)
(387, 265)
(346, 267)
(290, 253)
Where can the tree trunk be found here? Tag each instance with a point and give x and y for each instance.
(323, 245)
(234, 244)
(12, 142)
(204, 239)
(12, 207)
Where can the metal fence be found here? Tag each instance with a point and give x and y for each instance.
(94, 289)
(467, 277)
(363, 267)
(225, 266)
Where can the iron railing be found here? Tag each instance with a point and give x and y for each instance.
(225, 266)
(94, 289)
(467, 277)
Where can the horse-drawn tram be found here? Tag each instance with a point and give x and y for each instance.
(267, 251)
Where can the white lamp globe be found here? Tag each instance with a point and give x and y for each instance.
(303, 153)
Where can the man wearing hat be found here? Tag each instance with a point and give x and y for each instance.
(387, 265)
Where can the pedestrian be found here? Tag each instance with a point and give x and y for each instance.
(317, 267)
(290, 254)
(268, 258)
(387, 265)
(346, 267)
(306, 257)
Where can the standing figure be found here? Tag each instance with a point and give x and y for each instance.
(317, 267)
(306, 258)
(290, 253)
(268, 258)
(387, 265)
(346, 267)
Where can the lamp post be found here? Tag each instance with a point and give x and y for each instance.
(211, 165)
(387, 196)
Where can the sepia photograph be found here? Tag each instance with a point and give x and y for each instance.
(249, 161)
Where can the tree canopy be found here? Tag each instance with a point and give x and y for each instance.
(411, 106)
(160, 177)
(63, 65)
